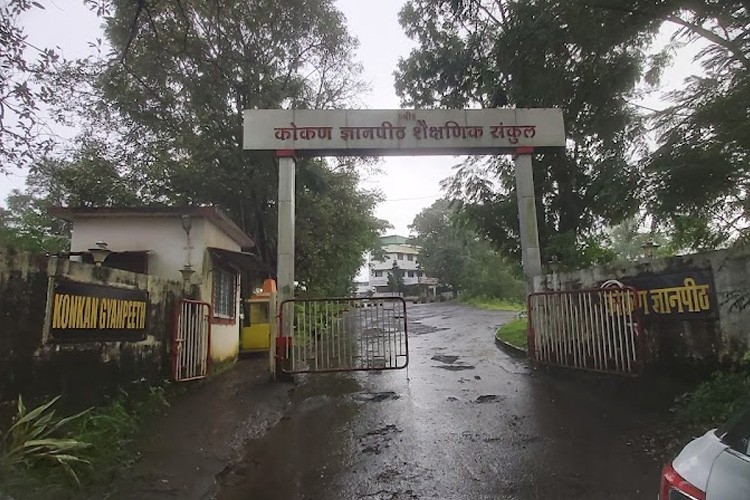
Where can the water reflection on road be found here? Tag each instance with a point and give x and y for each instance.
(465, 420)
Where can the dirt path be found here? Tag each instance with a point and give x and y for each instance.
(184, 452)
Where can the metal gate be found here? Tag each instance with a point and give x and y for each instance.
(190, 342)
(343, 334)
(599, 329)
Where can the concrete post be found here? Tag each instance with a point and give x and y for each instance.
(532, 261)
(285, 245)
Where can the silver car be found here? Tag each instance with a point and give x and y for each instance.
(715, 466)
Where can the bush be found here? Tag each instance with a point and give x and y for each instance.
(715, 400)
(37, 438)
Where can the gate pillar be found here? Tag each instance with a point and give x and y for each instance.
(532, 260)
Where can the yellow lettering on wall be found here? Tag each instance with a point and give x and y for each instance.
(77, 320)
(64, 311)
(56, 306)
(144, 307)
(86, 312)
(93, 312)
(112, 313)
(102, 314)
(131, 313)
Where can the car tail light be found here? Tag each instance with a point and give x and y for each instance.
(675, 487)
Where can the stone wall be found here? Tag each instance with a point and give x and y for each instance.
(722, 335)
(34, 364)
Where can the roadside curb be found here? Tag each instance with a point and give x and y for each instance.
(511, 349)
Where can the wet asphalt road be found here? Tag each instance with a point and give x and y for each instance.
(465, 421)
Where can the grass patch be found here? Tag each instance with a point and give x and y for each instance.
(107, 430)
(492, 304)
(514, 332)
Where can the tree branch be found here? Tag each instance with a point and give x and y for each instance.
(712, 37)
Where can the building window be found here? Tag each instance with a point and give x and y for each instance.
(224, 293)
(400, 256)
(411, 274)
(378, 274)
(410, 257)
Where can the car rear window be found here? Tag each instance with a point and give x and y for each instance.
(736, 432)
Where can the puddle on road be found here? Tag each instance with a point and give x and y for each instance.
(454, 368)
(374, 397)
(444, 358)
(416, 329)
(488, 398)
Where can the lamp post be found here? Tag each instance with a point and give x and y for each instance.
(649, 248)
(99, 253)
(554, 266)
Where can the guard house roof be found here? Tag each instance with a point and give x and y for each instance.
(211, 213)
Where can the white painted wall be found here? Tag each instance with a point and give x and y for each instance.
(167, 241)
(163, 235)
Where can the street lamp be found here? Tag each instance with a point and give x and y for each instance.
(187, 272)
(649, 248)
(554, 266)
(554, 263)
(99, 253)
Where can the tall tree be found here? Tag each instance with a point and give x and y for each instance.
(700, 173)
(23, 88)
(457, 257)
(162, 116)
(541, 53)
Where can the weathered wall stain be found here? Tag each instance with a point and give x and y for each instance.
(677, 340)
(83, 372)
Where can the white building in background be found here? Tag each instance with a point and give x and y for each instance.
(397, 251)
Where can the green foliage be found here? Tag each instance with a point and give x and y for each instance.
(699, 174)
(514, 332)
(491, 304)
(715, 400)
(334, 228)
(626, 242)
(396, 279)
(491, 54)
(36, 439)
(103, 434)
(161, 124)
(454, 254)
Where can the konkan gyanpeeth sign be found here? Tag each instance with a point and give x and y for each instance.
(402, 132)
(82, 312)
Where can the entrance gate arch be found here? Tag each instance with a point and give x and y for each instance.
(295, 133)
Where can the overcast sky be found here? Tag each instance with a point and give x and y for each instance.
(409, 184)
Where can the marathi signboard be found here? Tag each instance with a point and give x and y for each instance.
(685, 295)
(401, 132)
(86, 312)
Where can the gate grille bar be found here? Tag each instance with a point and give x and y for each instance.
(190, 342)
(598, 329)
(343, 334)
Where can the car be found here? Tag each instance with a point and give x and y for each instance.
(715, 466)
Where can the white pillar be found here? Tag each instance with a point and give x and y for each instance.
(532, 261)
(285, 231)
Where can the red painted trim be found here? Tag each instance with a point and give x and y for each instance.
(286, 153)
(524, 150)
(174, 344)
